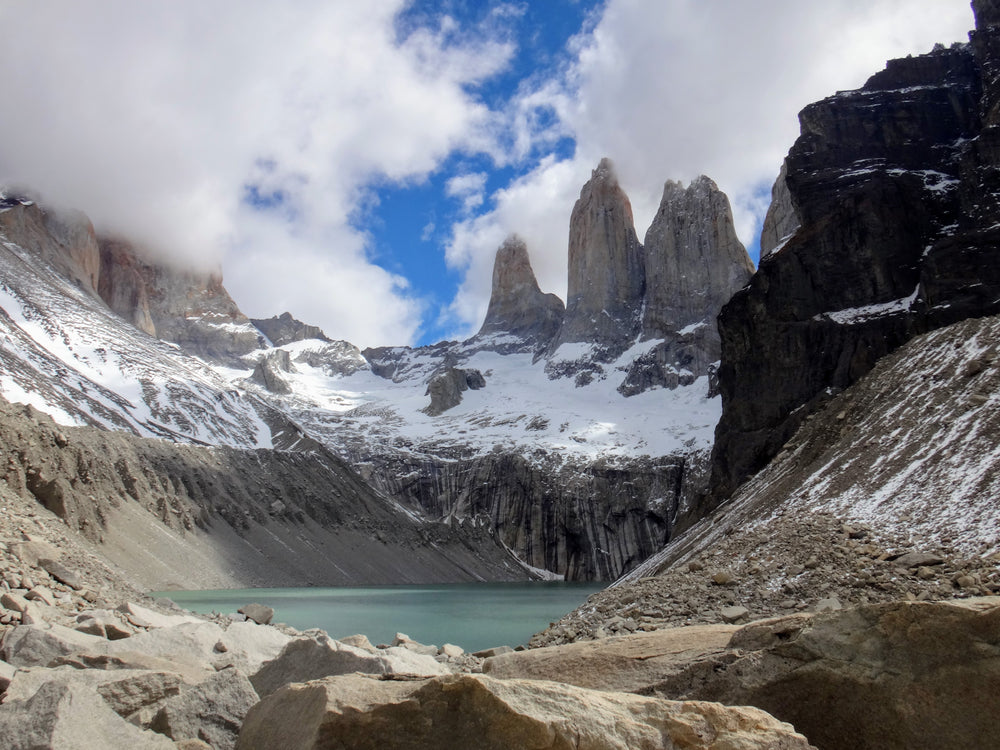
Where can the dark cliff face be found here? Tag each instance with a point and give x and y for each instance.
(895, 187)
(284, 329)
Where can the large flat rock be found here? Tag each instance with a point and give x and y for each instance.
(629, 663)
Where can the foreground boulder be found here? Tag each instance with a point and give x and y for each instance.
(898, 675)
(318, 655)
(70, 717)
(459, 711)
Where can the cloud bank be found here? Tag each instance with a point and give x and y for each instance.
(259, 135)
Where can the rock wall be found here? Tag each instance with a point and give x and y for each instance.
(182, 516)
(518, 308)
(585, 521)
(607, 274)
(894, 185)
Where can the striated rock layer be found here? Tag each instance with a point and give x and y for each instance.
(895, 186)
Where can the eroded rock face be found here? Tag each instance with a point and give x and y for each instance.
(284, 329)
(190, 308)
(606, 268)
(694, 260)
(446, 388)
(517, 306)
(360, 711)
(584, 520)
(781, 220)
(895, 186)
(64, 238)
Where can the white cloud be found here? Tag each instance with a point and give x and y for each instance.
(671, 90)
(154, 118)
(468, 188)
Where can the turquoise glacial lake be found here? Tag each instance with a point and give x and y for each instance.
(474, 616)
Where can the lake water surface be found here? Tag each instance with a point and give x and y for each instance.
(474, 615)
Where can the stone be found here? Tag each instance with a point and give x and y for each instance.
(13, 602)
(831, 604)
(212, 711)
(458, 711)
(486, 653)
(126, 691)
(70, 717)
(42, 595)
(404, 641)
(259, 613)
(452, 651)
(877, 676)
(517, 307)
(61, 573)
(631, 663)
(723, 578)
(154, 619)
(358, 641)
(267, 372)
(917, 560)
(733, 614)
(7, 672)
(31, 646)
(317, 655)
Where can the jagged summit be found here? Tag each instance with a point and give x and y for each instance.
(517, 306)
(285, 329)
(694, 260)
(606, 269)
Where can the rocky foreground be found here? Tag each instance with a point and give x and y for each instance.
(88, 662)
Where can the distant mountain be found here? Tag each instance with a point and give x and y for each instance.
(577, 443)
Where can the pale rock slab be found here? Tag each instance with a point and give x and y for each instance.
(459, 711)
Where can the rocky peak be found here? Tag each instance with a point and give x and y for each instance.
(694, 260)
(66, 239)
(517, 305)
(896, 186)
(781, 219)
(190, 308)
(606, 267)
(284, 329)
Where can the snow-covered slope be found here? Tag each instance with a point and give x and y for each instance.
(64, 352)
(911, 451)
(520, 409)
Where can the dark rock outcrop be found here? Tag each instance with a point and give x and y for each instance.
(446, 388)
(267, 372)
(896, 188)
(582, 519)
(606, 269)
(518, 308)
(284, 329)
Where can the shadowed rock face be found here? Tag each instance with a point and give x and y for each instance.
(781, 220)
(284, 329)
(517, 306)
(607, 277)
(896, 189)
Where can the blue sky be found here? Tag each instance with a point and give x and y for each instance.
(357, 164)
